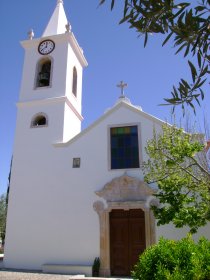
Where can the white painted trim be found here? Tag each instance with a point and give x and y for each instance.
(41, 101)
(80, 117)
(63, 99)
(103, 117)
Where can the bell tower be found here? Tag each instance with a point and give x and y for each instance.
(51, 88)
(48, 112)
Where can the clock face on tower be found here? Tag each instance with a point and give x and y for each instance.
(46, 47)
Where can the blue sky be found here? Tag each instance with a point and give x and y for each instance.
(114, 53)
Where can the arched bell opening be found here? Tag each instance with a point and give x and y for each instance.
(44, 72)
(39, 120)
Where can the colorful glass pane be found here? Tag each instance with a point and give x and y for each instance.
(124, 147)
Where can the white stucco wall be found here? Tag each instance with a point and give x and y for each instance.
(51, 217)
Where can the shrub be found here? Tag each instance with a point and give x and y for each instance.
(96, 267)
(175, 260)
(1, 250)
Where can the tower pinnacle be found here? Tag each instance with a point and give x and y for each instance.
(59, 2)
(58, 21)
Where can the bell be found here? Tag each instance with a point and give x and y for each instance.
(44, 78)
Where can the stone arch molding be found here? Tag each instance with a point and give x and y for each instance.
(126, 188)
(124, 192)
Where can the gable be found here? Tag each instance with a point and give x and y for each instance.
(92, 147)
(121, 114)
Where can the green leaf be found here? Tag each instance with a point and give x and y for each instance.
(185, 83)
(193, 70)
(124, 19)
(180, 48)
(102, 2)
(192, 106)
(199, 8)
(199, 59)
(187, 49)
(145, 39)
(205, 70)
(201, 93)
(112, 4)
(172, 101)
(175, 92)
(167, 38)
(201, 83)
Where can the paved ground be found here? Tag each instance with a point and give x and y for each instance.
(13, 275)
(19, 275)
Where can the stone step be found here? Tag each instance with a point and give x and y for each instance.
(79, 271)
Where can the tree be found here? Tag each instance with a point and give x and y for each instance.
(177, 163)
(189, 28)
(3, 214)
(3, 208)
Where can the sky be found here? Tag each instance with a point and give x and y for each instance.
(114, 53)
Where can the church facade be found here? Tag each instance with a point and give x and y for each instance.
(76, 195)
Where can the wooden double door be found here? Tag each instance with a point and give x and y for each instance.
(127, 240)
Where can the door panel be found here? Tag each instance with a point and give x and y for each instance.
(136, 240)
(127, 240)
(119, 240)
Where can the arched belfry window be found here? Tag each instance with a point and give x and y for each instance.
(44, 72)
(74, 84)
(39, 120)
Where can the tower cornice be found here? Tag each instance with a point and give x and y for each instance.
(68, 37)
(60, 99)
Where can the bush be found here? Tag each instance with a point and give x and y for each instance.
(96, 267)
(175, 260)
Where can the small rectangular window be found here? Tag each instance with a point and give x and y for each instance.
(76, 162)
(124, 147)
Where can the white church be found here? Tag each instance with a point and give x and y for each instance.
(76, 195)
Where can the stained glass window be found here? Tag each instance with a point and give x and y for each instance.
(124, 147)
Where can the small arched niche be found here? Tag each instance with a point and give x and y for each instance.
(39, 120)
(44, 68)
(74, 82)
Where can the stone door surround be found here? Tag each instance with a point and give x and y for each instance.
(124, 192)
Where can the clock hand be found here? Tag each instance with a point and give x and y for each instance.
(44, 47)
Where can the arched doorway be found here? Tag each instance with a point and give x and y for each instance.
(127, 194)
